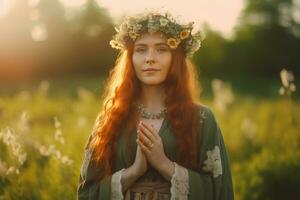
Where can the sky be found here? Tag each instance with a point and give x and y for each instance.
(221, 15)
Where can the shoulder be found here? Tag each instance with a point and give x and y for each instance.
(205, 114)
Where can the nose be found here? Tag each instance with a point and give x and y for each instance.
(150, 57)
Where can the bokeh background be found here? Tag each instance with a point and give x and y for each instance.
(55, 57)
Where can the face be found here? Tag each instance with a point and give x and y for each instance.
(151, 58)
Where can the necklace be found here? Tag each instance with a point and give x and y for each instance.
(147, 115)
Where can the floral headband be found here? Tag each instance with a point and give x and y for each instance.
(132, 27)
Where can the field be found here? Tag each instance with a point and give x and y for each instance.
(44, 127)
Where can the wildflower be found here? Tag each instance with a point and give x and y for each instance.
(163, 21)
(12, 170)
(184, 34)
(9, 138)
(58, 132)
(287, 78)
(173, 43)
(66, 160)
(133, 35)
(223, 95)
(115, 44)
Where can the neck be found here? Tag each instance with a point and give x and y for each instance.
(152, 96)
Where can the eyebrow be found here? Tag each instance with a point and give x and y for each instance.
(157, 44)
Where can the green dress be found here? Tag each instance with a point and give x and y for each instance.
(212, 182)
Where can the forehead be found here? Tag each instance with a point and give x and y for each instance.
(151, 39)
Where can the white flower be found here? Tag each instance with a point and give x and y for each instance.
(286, 77)
(223, 95)
(292, 87)
(163, 21)
(213, 162)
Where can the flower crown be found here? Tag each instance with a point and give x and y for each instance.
(132, 27)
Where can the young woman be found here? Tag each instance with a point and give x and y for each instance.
(154, 139)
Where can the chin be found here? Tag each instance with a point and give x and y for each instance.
(152, 82)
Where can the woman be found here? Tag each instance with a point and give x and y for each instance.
(153, 139)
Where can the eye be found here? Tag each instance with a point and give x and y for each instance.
(140, 49)
(162, 49)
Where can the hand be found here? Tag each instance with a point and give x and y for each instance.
(140, 164)
(151, 145)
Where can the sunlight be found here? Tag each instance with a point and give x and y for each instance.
(220, 15)
(5, 5)
(73, 2)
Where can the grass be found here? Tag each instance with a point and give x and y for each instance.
(261, 134)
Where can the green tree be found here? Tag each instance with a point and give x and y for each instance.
(267, 37)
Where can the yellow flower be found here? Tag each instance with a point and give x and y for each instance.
(173, 43)
(184, 34)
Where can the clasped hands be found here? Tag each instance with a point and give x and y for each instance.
(152, 150)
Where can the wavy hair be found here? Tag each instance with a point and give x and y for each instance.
(119, 110)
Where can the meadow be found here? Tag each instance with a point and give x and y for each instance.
(44, 127)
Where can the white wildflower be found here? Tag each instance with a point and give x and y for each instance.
(292, 87)
(66, 160)
(281, 90)
(223, 95)
(163, 21)
(43, 151)
(287, 78)
(12, 170)
(58, 132)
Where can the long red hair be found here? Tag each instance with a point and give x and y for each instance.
(119, 111)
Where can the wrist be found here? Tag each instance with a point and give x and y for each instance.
(167, 169)
(134, 171)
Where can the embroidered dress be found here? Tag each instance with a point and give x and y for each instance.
(212, 182)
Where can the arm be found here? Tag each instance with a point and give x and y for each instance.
(112, 187)
(213, 180)
(89, 186)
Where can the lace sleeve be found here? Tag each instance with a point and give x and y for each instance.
(116, 186)
(180, 183)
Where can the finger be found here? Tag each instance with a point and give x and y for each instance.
(145, 140)
(154, 130)
(147, 132)
(147, 126)
(143, 147)
(151, 129)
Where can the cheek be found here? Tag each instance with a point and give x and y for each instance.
(136, 61)
(166, 62)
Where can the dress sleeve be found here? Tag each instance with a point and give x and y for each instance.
(213, 181)
(90, 187)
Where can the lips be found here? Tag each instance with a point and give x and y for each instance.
(150, 70)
